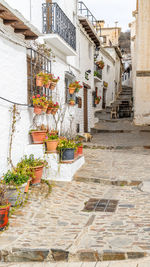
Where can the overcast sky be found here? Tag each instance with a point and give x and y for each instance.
(112, 10)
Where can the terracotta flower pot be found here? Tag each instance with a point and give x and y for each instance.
(44, 109)
(27, 186)
(37, 110)
(53, 85)
(54, 111)
(4, 214)
(51, 145)
(37, 174)
(71, 90)
(49, 110)
(39, 81)
(38, 136)
(48, 84)
(75, 154)
(71, 103)
(97, 102)
(80, 150)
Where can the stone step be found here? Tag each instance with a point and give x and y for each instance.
(55, 170)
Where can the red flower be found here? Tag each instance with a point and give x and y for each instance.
(33, 96)
(37, 95)
(44, 94)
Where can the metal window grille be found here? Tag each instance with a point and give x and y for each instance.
(36, 63)
(56, 21)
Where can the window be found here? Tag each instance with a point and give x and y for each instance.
(108, 68)
(36, 63)
(69, 78)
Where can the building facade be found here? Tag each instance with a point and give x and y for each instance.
(140, 43)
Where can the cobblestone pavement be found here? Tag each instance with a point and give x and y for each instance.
(59, 222)
(133, 263)
(105, 166)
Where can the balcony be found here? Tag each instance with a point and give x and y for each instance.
(59, 30)
(89, 23)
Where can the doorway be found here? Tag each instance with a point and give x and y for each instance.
(104, 98)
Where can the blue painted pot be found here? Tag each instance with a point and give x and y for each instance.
(67, 154)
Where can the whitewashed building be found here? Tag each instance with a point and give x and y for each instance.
(72, 37)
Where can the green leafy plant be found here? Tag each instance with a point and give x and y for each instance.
(39, 100)
(97, 74)
(52, 136)
(25, 166)
(65, 144)
(15, 178)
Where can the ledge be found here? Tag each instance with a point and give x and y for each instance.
(55, 40)
(96, 79)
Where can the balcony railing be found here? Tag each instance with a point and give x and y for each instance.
(97, 72)
(85, 12)
(56, 21)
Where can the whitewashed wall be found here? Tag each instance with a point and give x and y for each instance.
(13, 86)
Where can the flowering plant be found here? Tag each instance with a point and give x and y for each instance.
(98, 98)
(15, 178)
(50, 104)
(75, 84)
(56, 105)
(51, 136)
(39, 100)
(65, 144)
(55, 80)
(100, 64)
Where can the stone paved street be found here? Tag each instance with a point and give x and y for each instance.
(55, 226)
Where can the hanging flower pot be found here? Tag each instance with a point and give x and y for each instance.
(71, 102)
(44, 108)
(4, 214)
(37, 110)
(54, 111)
(38, 137)
(48, 84)
(37, 174)
(39, 80)
(53, 85)
(72, 90)
(49, 110)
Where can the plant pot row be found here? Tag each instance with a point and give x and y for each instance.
(38, 110)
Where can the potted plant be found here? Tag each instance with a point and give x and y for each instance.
(66, 149)
(54, 81)
(4, 207)
(100, 64)
(55, 108)
(32, 167)
(38, 135)
(78, 86)
(16, 183)
(97, 100)
(51, 141)
(79, 148)
(72, 87)
(50, 107)
(71, 102)
(40, 103)
(47, 80)
(40, 79)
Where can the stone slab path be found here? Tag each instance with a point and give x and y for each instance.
(115, 166)
(55, 227)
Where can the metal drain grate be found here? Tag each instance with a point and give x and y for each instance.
(103, 205)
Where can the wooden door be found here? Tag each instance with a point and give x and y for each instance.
(85, 110)
(104, 99)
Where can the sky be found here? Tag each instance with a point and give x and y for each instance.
(113, 10)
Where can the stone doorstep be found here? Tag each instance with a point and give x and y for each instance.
(57, 255)
(107, 182)
(96, 146)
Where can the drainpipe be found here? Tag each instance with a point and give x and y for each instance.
(30, 11)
